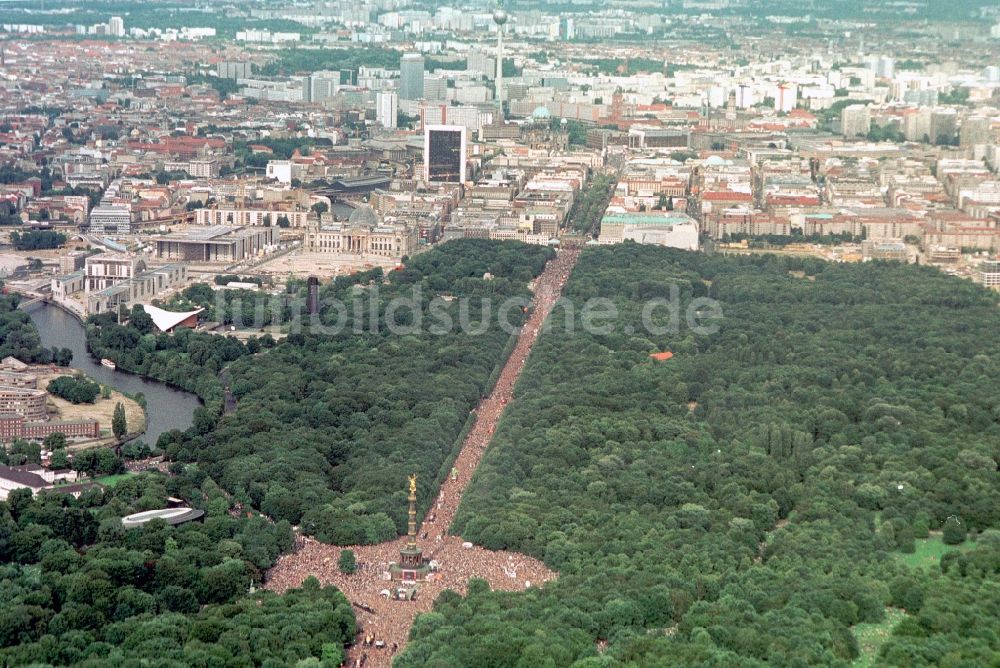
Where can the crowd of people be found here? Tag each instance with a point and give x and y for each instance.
(384, 621)
(548, 288)
(148, 464)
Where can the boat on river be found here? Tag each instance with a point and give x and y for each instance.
(108, 363)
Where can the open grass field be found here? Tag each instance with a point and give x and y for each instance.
(929, 551)
(872, 636)
(101, 410)
(112, 480)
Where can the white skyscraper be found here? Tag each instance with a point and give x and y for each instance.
(116, 27)
(785, 97)
(387, 108)
(744, 96)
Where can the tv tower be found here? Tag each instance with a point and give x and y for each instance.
(500, 18)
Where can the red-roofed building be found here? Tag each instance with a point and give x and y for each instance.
(779, 200)
(726, 197)
(169, 91)
(184, 147)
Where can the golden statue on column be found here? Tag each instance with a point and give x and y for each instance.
(412, 566)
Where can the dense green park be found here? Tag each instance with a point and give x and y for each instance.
(19, 338)
(810, 481)
(332, 418)
(79, 589)
(746, 502)
(327, 426)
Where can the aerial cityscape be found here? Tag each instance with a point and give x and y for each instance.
(530, 333)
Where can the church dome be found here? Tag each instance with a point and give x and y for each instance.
(363, 216)
(541, 113)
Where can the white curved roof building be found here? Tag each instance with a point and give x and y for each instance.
(172, 516)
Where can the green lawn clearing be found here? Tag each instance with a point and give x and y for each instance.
(112, 480)
(872, 636)
(929, 552)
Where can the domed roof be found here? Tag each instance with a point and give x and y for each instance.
(541, 112)
(363, 216)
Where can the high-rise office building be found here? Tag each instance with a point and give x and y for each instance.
(233, 69)
(387, 108)
(433, 113)
(479, 61)
(445, 149)
(855, 121)
(882, 66)
(567, 29)
(411, 77)
(471, 116)
(116, 27)
(975, 130)
(435, 87)
(113, 219)
(786, 97)
(989, 274)
(917, 124)
(321, 85)
(744, 96)
(944, 125)
(927, 97)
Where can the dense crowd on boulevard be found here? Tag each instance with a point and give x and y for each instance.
(383, 621)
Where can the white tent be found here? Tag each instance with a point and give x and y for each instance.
(167, 320)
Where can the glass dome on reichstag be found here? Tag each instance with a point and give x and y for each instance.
(364, 216)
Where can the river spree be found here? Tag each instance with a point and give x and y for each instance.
(166, 407)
